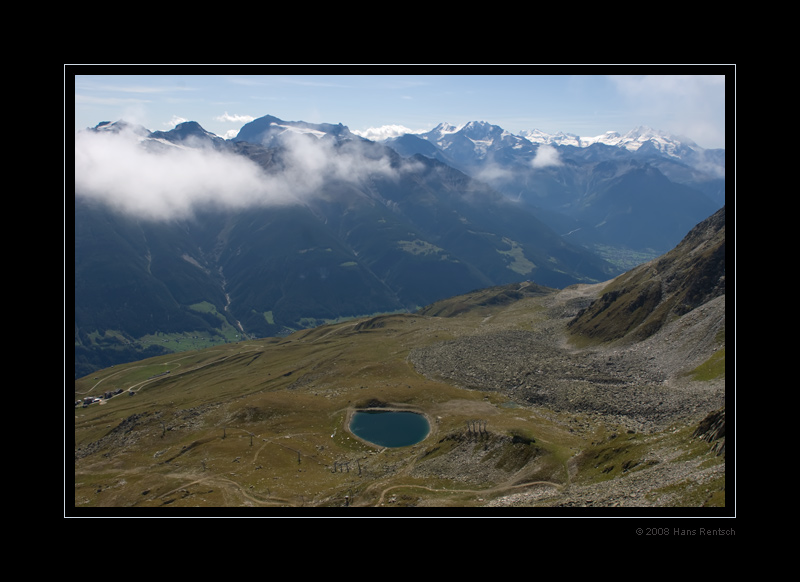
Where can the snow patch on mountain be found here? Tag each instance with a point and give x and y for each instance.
(631, 141)
(485, 136)
(298, 129)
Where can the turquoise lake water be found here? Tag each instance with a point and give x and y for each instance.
(389, 428)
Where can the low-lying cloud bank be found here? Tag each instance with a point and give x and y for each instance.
(116, 169)
(175, 181)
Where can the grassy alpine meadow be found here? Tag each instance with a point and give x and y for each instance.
(264, 423)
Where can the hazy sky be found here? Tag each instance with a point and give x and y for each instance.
(684, 100)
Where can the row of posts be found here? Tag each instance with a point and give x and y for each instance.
(344, 466)
(476, 427)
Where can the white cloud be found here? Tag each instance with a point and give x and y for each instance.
(175, 181)
(228, 118)
(175, 121)
(688, 105)
(546, 156)
(313, 162)
(384, 132)
(114, 168)
(493, 173)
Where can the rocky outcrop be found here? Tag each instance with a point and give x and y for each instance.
(712, 429)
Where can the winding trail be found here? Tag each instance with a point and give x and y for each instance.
(175, 362)
(233, 484)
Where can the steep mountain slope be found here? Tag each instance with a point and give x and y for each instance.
(135, 279)
(270, 131)
(642, 301)
(356, 229)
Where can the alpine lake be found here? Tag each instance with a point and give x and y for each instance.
(390, 428)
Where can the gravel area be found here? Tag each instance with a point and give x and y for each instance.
(641, 386)
(645, 488)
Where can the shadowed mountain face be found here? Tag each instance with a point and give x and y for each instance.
(325, 226)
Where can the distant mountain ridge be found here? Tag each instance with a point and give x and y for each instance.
(268, 131)
(380, 227)
(633, 140)
(373, 231)
(586, 186)
(484, 134)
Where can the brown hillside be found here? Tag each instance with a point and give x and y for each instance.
(639, 303)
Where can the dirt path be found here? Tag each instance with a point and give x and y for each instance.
(230, 484)
(491, 490)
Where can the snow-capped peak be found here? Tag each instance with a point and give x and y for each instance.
(445, 128)
(631, 141)
(538, 136)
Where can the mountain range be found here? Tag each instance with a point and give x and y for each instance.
(642, 190)
(333, 225)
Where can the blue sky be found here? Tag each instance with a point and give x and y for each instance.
(682, 100)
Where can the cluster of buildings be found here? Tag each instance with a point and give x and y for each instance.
(106, 395)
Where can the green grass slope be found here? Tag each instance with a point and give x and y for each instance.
(264, 424)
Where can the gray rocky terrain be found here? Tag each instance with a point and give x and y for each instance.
(642, 387)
